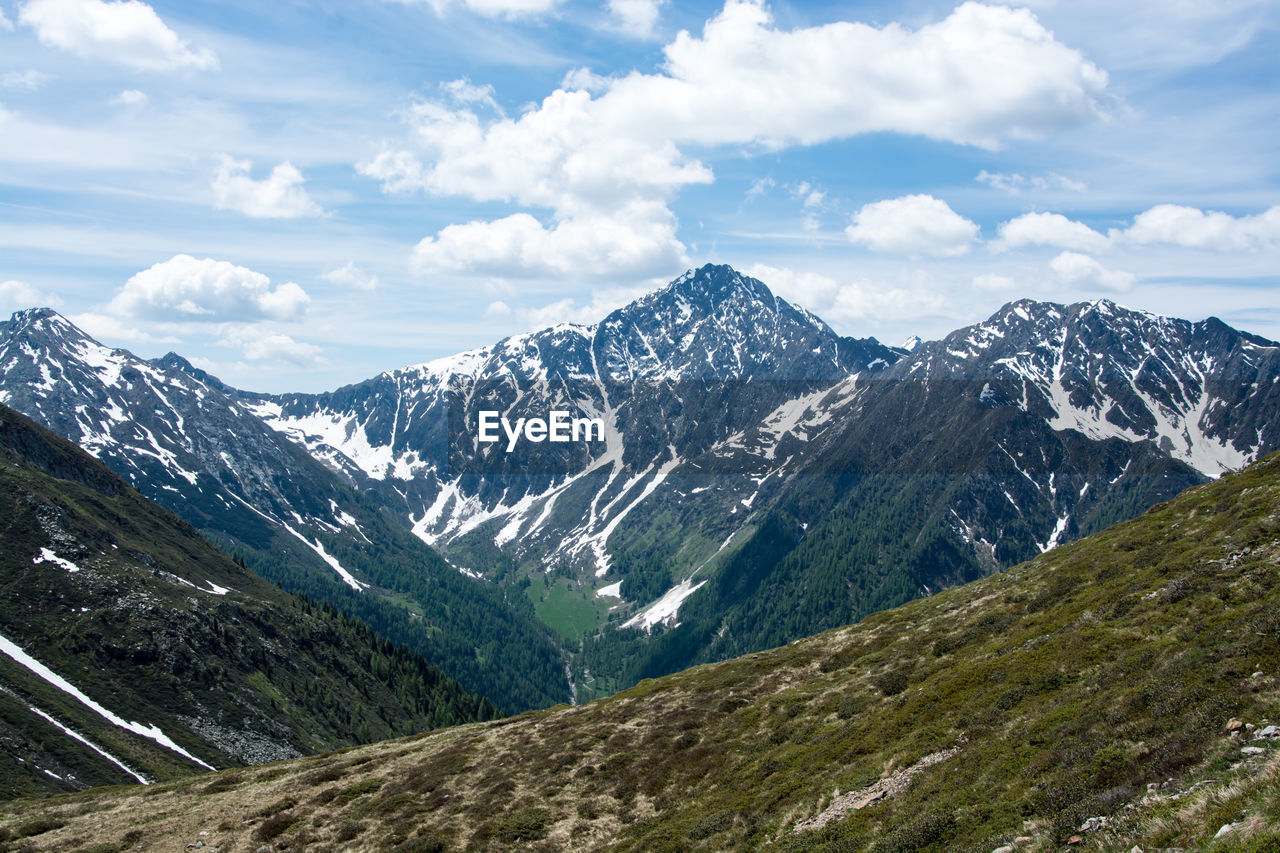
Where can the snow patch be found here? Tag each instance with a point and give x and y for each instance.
(84, 740)
(47, 556)
(665, 609)
(153, 732)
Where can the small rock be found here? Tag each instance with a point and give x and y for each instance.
(1234, 725)
(1269, 731)
(1253, 750)
(1075, 839)
(1008, 848)
(1093, 823)
(1135, 849)
(1226, 830)
(1256, 674)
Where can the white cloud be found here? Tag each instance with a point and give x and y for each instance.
(16, 295)
(636, 17)
(912, 225)
(1189, 227)
(128, 32)
(350, 275)
(1164, 224)
(1048, 229)
(113, 330)
(463, 91)
(24, 81)
(278, 196)
(760, 186)
(1083, 271)
(603, 302)
(5, 23)
(185, 288)
(259, 344)
(809, 195)
(852, 302)
(981, 76)
(131, 98)
(1014, 183)
(638, 241)
(498, 308)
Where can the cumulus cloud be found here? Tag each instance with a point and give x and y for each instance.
(912, 225)
(5, 23)
(603, 302)
(1014, 183)
(259, 344)
(1083, 271)
(851, 301)
(104, 327)
(636, 17)
(1164, 224)
(184, 288)
(1189, 227)
(24, 81)
(1048, 229)
(16, 295)
(638, 241)
(128, 32)
(280, 195)
(350, 275)
(981, 76)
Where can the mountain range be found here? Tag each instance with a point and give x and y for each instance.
(760, 477)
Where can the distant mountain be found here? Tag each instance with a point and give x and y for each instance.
(759, 477)
(132, 650)
(185, 441)
(1116, 693)
(1005, 439)
(763, 478)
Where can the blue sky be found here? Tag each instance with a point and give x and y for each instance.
(299, 195)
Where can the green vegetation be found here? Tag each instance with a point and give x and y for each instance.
(250, 675)
(569, 610)
(419, 601)
(1096, 681)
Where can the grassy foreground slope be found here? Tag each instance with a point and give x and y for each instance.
(1092, 687)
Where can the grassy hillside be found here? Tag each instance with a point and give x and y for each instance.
(1109, 693)
(127, 603)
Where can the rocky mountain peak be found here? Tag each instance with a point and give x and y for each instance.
(43, 327)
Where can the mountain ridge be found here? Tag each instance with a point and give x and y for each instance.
(196, 450)
(114, 606)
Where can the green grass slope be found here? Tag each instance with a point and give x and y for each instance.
(1107, 694)
(247, 676)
